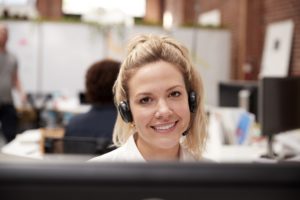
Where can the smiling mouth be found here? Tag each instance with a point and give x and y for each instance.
(165, 127)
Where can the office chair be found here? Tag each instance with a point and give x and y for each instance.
(78, 145)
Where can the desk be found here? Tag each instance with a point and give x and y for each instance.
(51, 133)
(236, 153)
(30, 144)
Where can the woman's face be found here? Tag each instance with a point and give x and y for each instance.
(159, 105)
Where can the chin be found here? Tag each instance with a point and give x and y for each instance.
(165, 143)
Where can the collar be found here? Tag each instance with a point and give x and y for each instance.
(134, 153)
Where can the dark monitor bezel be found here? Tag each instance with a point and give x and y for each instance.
(150, 181)
(279, 104)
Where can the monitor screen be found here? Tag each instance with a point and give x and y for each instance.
(229, 94)
(279, 105)
(150, 181)
(82, 98)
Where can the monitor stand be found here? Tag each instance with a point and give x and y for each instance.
(270, 152)
(271, 155)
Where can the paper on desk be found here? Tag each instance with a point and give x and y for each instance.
(235, 124)
(30, 136)
(215, 137)
(290, 139)
(26, 144)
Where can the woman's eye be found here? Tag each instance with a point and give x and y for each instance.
(175, 94)
(145, 100)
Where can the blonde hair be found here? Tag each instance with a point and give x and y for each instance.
(144, 49)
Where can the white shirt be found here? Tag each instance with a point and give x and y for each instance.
(130, 153)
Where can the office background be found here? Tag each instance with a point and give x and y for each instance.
(51, 44)
(246, 20)
(226, 39)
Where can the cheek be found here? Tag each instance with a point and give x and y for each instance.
(142, 116)
(183, 111)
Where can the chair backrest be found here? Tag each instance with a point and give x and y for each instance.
(79, 145)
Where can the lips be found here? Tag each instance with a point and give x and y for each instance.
(164, 127)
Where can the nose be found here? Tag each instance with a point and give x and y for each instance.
(163, 110)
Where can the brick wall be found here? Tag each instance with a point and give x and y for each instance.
(154, 11)
(277, 10)
(230, 16)
(176, 9)
(254, 39)
(247, 20)
(50, 9)
(190, 8)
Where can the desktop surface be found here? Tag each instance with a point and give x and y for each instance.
(163, 181)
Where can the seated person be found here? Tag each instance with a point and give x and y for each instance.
(160, 99)
(99, 120)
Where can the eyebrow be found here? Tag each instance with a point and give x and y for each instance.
(176, 86)
(149, 93)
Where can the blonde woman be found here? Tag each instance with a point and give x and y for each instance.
(159, 95)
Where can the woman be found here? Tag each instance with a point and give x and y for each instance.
(159, 94)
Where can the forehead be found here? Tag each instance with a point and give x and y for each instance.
(155, 77)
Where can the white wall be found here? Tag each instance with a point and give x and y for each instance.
(53, 57)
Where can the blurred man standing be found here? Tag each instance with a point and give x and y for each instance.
(9, 80)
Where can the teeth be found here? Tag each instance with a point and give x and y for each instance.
(164, 127)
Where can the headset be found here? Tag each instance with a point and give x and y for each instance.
(126, 115)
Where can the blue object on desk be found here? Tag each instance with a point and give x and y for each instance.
(243, 128)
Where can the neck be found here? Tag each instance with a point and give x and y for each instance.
(154, 153)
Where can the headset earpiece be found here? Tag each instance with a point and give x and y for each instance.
(192, 101)
(125, 112)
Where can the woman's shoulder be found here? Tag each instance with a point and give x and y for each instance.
(208, 160)
(126, 153)
(115, 155)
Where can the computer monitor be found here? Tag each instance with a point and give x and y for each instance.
(229, 94)
(82, 98)
(150, 181)
(279, 106)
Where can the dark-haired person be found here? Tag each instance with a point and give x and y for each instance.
(99, 120)
(159, 94)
